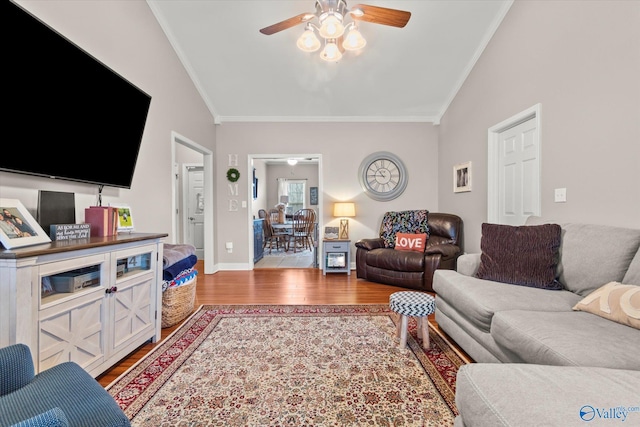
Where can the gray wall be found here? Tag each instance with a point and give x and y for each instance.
(342, 147)
(126, 37)
(581, 62)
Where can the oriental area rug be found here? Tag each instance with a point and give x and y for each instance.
(285, 365)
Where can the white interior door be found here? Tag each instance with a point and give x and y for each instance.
(519, 173)
(195, 209)
(514, 169)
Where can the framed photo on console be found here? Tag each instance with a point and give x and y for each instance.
(125, 219)
(17, 226)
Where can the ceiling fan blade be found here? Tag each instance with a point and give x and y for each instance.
(287, 23)
(381, 15)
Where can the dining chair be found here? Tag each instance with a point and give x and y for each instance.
(271, 238)
(274, 215)
(303, 228)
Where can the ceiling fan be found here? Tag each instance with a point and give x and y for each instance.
(332, 19)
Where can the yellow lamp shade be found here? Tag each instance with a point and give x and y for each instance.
(344, 209)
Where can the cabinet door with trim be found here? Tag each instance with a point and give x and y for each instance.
(133, 299)
(73, 331)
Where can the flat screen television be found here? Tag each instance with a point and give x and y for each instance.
(67, 115)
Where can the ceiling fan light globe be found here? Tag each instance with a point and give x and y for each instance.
(308, 42)
(354, 40)
(331, 53)
(331, 27)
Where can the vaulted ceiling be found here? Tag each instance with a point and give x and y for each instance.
(408, 74)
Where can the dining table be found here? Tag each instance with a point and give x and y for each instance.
(286, 228)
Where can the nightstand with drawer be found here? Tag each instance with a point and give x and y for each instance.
(337, 256)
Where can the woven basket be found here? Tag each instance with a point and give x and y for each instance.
(178, 303)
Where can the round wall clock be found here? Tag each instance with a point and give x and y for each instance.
(383, 176)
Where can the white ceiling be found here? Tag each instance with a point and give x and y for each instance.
(408, 74)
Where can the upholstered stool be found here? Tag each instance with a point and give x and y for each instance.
(412, 304)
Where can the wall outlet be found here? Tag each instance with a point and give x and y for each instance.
(560, 195)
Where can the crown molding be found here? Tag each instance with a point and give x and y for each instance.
(331, 119)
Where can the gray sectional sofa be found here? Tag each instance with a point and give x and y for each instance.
(533, 347)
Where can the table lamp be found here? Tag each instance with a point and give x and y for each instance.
(344, 210)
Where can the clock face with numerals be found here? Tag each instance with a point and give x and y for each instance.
(383, 176)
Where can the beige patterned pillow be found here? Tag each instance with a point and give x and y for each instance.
(614, 301)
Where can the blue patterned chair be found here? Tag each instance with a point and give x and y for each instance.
(377, 260)
(64, 395)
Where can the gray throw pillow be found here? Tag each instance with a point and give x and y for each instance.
(520, 255)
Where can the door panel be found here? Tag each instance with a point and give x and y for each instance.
(518, 173)
(195, 210)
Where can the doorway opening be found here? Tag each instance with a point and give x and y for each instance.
(179, 146)
(271, 170)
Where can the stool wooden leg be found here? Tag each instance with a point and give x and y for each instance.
(423, 327)
(403, 333)
(398, 325)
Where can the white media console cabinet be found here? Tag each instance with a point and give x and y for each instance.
(91, 301)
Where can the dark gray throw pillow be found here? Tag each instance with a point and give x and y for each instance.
(520, 255)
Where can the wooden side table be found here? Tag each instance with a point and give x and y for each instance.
(337, 256)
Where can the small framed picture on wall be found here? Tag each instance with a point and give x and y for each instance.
(462, 177)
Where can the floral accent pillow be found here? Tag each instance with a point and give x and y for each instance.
(614, 301)
(414, 221)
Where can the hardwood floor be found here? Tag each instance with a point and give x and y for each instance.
(270, 286)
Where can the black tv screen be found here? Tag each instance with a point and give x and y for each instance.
(67, 115)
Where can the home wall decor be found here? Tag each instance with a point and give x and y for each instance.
(233, 175)
(462, 177)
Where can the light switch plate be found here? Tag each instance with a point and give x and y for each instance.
(560, 195)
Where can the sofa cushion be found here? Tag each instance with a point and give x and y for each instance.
(591, 255)
(390, 259)
(478, 300)
(494, 394)
(614, 301)
(410, 242)
(413, 221)
(567, 338)
(520, 255)
(69, 387)
(52, 418)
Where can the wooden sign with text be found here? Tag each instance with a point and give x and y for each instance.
(70, 231)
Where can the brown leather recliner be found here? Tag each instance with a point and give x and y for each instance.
(410, 269)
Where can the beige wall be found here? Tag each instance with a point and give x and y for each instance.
(342, 146)
(126, 37)
(581, 62)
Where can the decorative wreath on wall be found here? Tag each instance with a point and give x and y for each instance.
(233, 174)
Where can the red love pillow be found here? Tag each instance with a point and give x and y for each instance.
(411, 242)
